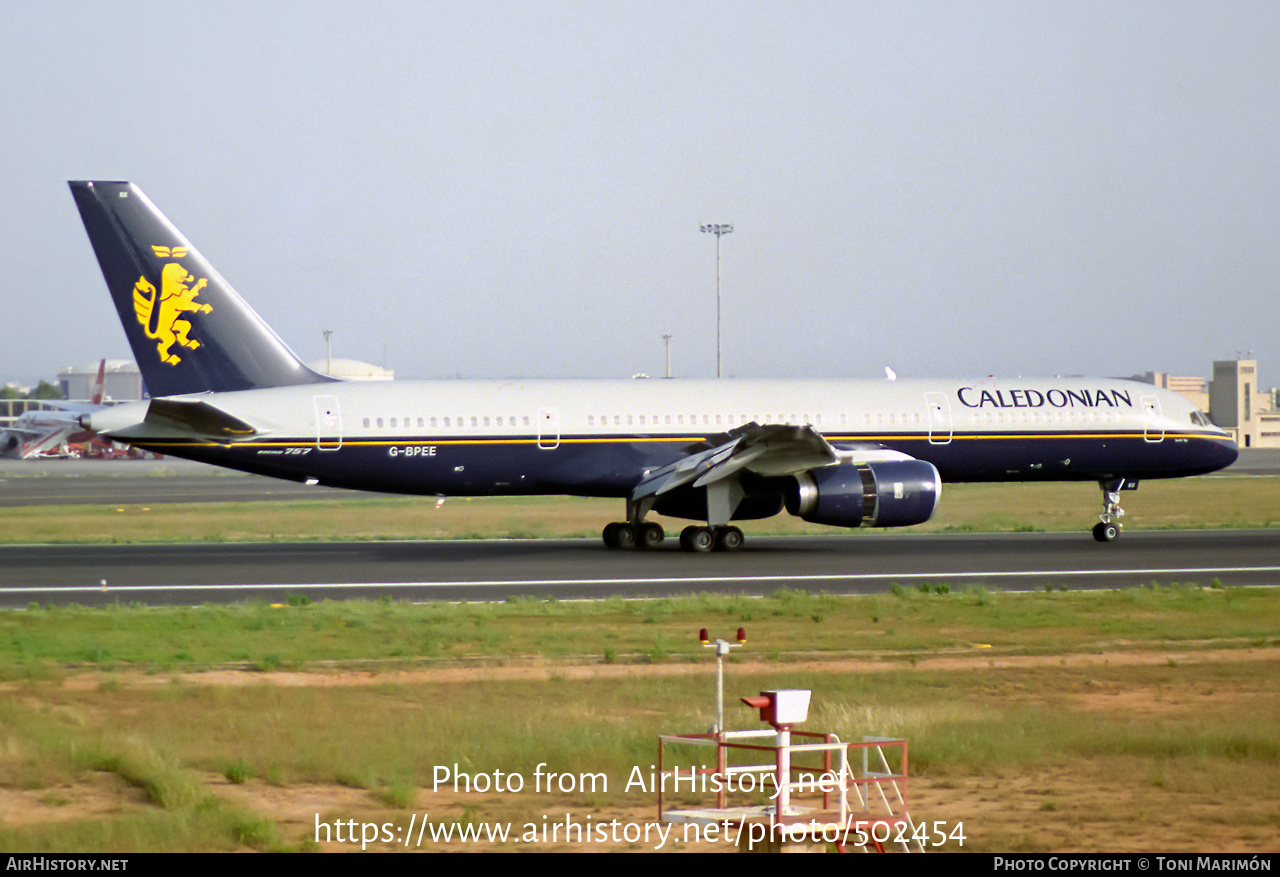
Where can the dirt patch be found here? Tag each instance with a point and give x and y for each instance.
(97, 796)
(543, 671)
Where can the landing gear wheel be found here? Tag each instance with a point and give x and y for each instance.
(698, 540)
(1106, 532)
(619, 535)
(728, 539)
(651, 534)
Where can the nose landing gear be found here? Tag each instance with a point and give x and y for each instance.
(1108, 527)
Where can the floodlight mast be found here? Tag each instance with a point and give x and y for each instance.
(718, 229)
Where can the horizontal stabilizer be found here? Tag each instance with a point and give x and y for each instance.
(197, 417)
(167, 420)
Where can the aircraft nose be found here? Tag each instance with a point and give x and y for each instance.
(1226, 453)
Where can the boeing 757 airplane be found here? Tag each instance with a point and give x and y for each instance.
(226, 390)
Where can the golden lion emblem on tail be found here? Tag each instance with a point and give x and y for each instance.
(160, 313)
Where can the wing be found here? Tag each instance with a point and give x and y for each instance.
(765, 450)
(47, 440)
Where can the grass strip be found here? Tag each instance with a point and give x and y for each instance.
(1218, 502)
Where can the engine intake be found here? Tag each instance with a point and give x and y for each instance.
(894, 493)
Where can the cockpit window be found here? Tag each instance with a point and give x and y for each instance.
(1199, 419)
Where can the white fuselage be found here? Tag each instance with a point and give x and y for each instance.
(599, 436)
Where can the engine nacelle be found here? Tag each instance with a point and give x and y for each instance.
(10, 442)
(892, 493)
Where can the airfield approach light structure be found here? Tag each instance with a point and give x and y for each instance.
(783, 708)
(722, 651)
(719, 230)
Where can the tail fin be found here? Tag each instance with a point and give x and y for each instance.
(95, 394)
(189, 330)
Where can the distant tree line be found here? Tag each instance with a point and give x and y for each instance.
(43, 390)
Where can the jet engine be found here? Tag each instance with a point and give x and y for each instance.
(9, 442)
(892, 493)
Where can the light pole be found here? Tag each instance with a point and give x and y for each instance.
(667, 339)
(328, 348)
(718, 230)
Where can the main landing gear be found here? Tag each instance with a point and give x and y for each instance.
(1108, 527)
(645, 534)
(717, 535)
(700, 540)
(695, 539)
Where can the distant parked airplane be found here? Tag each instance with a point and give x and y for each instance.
(44, 431)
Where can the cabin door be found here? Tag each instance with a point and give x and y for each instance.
(1152, 425)
(548, 429)
(938, 410)
(328, 423)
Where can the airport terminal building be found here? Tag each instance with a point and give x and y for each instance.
(121, 381)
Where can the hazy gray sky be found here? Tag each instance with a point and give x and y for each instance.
(515, 188)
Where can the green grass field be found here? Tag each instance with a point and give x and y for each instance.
(1216, 502)
(384, 635)
(131, 694)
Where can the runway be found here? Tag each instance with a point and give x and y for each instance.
(857, 563)
(860, 563)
